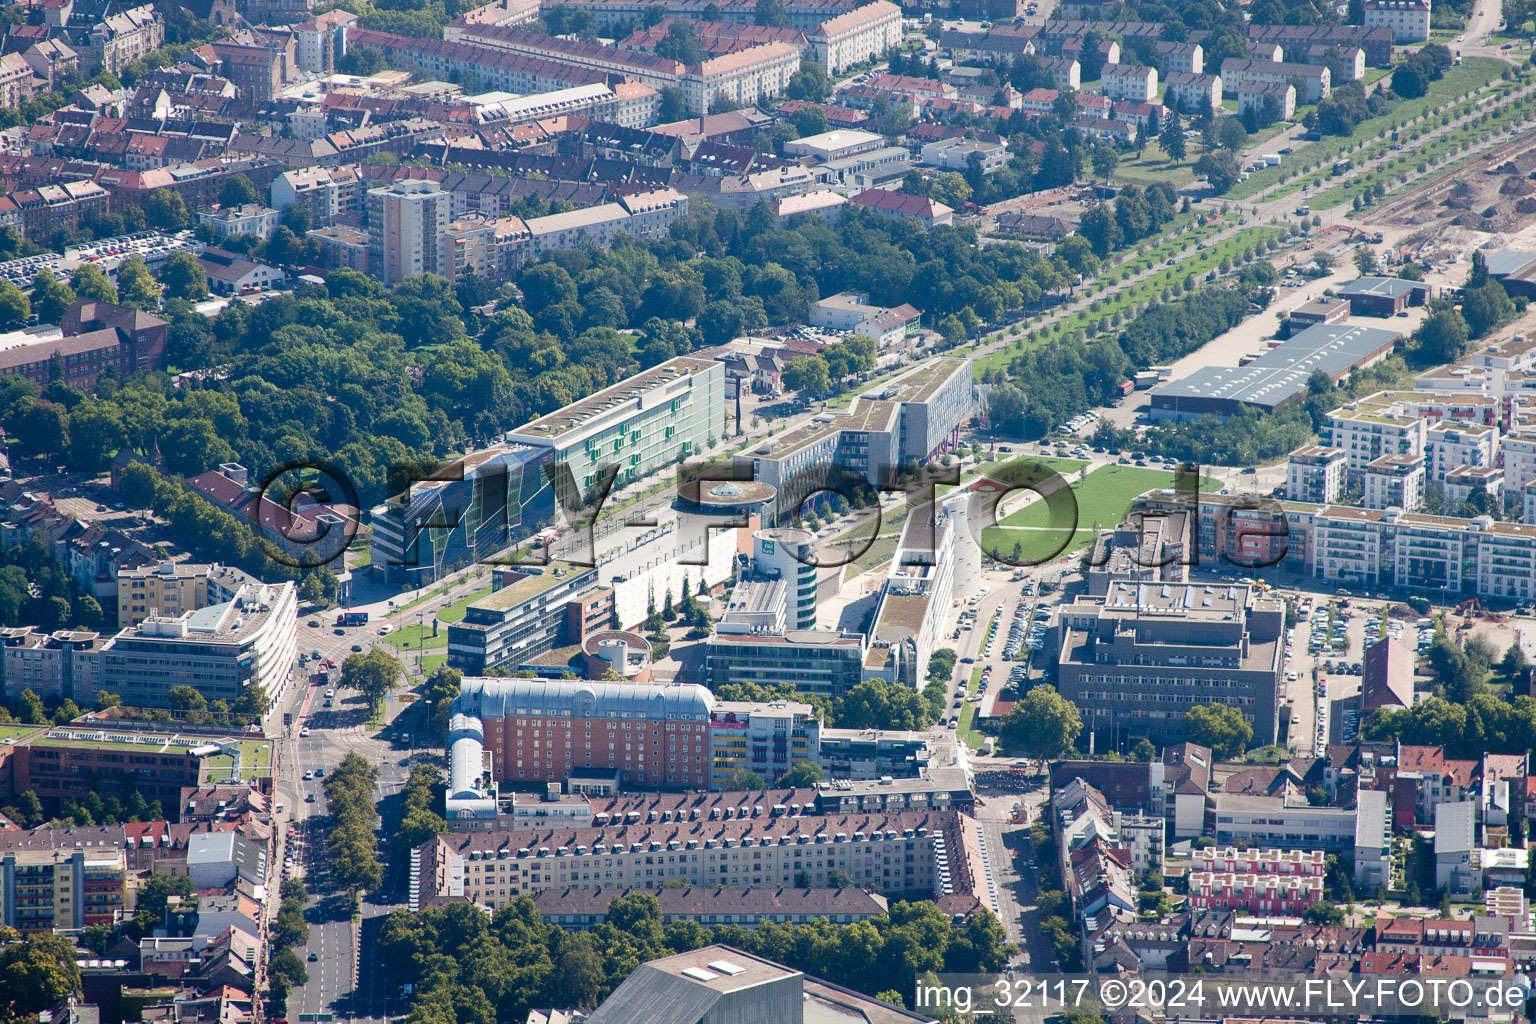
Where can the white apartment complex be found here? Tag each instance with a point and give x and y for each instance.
(1132, 82)
(865, 33)
(1408, 19)
(1235, 71)
(1366, 432)
(1316, 474)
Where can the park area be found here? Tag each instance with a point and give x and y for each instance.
(1103, 497)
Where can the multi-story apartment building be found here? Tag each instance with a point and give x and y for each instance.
(1256, 881)
(341, 247)
(218, 650)
(892, 853)
(1408, 19)
(17, 83)
(42, 890)
(1438, 556)
(1463, 482)
(1188, 58)
(171, 588)
(65, 663)
(407, 229)
(1450, 445)
(801, 14)
(1517, 454)
(1314, 79)
(492, 68)
(1376, 42)
(122, 38)
(328, 193)
(864, 33)
(1395, 481)
(1136, 661)
(1134, 82)
(38, 213)
(767, 738)
(1366, 431)
(1315, 473)
(873, 753)
(1192, 93)
(322, 41)
(1284, 823)
(1268, 101)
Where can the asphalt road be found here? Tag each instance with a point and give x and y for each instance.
(335, 986)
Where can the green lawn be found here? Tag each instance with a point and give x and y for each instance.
(455, 612)
(1103, 497)
(256, 753)
(1033, 545)
(432, 662)
(416, 637)
(18, 732)
(963, 731)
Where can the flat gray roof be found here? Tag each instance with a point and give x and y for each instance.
(1389, 287)
(1282, 373)
(1503, 262)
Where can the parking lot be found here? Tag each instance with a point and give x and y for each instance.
(108, 253)
(1324, 662)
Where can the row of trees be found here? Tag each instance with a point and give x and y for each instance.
(466, 966)
(421, 807)
(350, 847)
(290, 932)
(1049, 384)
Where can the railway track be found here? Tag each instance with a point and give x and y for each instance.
(1448, 180)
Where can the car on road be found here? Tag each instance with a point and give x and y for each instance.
(313, 957)
(308, 776)
(357, 648)
(309, 798)
(339, 631)
(314, 623)
(304, 732)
